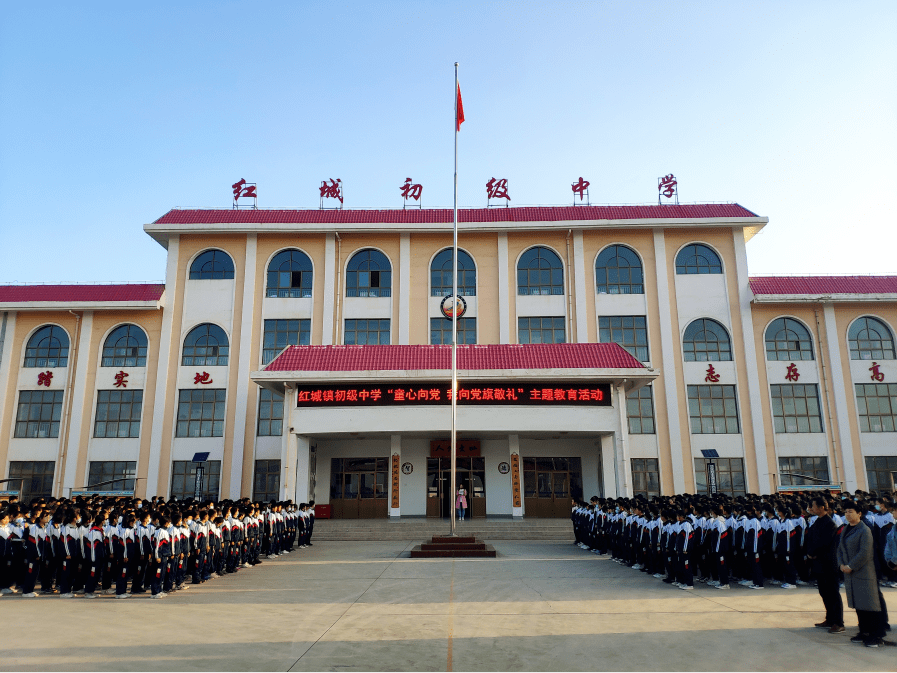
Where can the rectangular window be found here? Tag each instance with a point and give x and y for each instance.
(713, 410)
(441, 331)
(39, 413)
(880, 472)
(370, 332)
(359, 477)
(630, 331)
(801, 471)
(270, 414)
(109, 475)
(795, 408)
(541, 330)
(201, 413)
(640, 411)
(118, 413)
(183, 479)
(729, 475)
(36, 479)
(645, 477)
(267, 481)
(282, 333)
(877, 406)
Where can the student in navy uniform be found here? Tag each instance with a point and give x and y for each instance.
(161, 555)
(127, 552)
(71, 553)
(35, 542)
(94, 556)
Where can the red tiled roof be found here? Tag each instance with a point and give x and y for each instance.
(824, 285)
(81, 293)
(444, 215)
(498, 356)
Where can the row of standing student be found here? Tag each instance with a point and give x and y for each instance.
(71, 548)
(716, 542)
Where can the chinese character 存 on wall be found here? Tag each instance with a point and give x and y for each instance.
(792, 374)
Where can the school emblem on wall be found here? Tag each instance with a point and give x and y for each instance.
(449, 308)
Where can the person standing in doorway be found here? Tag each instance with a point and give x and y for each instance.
(461, 502)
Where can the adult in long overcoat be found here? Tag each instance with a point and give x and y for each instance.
(856, 559)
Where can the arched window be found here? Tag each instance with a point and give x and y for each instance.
(125, 347)
(205, 346)
(618, 270)
(289, 275)
(870, 339)
(212, 264)
(48, 347)
(787, 339)
(697, 258)
(369, 274)
(540, 271)
(706, 341)
(441, 274)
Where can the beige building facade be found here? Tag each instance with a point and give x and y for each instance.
(787, 381)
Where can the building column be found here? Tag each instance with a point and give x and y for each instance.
(668, 355)
(514, 450)
(79, 404)
(624, 471)
(300, 467)
(330, 263)
(244, 367)
(839, 394)
(579, 284)
(165, 385)
(609, 466)
(750, 362)
(404, 289)
(504, 299)
(7, 387)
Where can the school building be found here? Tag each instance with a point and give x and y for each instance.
(604, 351)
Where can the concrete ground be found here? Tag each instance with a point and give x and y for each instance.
(342, 606)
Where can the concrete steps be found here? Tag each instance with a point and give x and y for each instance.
(424, 529)
(453, 547)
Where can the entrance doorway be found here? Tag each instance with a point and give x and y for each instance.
(470, 473)
(549, 486)
(359, 488)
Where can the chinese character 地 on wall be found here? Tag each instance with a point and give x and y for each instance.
(427, 394)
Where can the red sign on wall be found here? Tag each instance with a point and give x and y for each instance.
(464, 448)
(428, 394)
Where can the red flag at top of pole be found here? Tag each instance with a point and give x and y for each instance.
(459, 111)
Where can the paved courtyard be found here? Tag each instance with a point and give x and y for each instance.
(343, 606)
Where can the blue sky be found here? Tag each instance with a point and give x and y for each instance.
(116, 112)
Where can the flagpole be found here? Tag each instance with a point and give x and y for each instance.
(455, 315)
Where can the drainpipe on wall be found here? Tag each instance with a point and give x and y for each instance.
(62, 456)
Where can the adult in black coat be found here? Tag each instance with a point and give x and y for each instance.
(821, 547)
